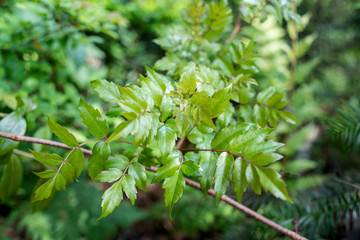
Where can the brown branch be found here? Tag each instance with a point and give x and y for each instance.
(191, 183)
(236, 29)
(19, 138)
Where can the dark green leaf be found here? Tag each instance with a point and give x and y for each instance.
(223, 174)
(190, 168)
(182, 124)
(264, 159)
(117, 161)
(110, 175)
(168, 169)
(92, 119)
(49, 159)
(260, 116)
(65, 136)
(46, 174)
(147, 158)
(11, 178)
(77, 159)
(262, 147)
(128, 184)
(4, 159)
(264, 96)
(166, 138)
(174, 186)
(249, 138)
(68, 171)
(60, 182)
(239, 177)
(121, 131)
(45, 190)
(111, 199)
(253, 179)
(271, 181)
(208, 166)
(222, 139)
(137, 171)
(101, 152)
(287, 117)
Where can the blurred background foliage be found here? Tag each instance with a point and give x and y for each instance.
(51, 50)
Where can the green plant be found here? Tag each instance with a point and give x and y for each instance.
(186, 123)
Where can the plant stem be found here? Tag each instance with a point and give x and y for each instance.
(191, 183)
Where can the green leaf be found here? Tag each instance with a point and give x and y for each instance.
(271, 181)
(110, 175)
(222, 139)
(264, 96)
(205, 116)
(147, 158)
(155, 77)
(168, 169)
(221, 100)
(264, 159)
(223, 173)
(190, 168)
(275, 100)
(45, 190)
(46, 174)
(41, 204)
(287, 117)
(77, 159)
(121, 131)
(187, 81)
(117, 161)
(249, 138)
(239, 177)
(101, 152)
(153, 88)
(4, 159)
(49, 159)
(131, 100)
(182, 124)
(262, 147)
(128, 184)
(12, 123)
(166, 138)
(272, 117)
(60, 182)
(11, 178)
(144, 128)
(111, 199)
(253, 179)
(137, 171)
(174, 186)
(208, 166)
(259, 112)
(68, 171)
(65, 136)
(92, 119)
(108, 91)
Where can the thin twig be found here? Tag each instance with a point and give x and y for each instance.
(19, 138)
(236, 29)
(191, 183)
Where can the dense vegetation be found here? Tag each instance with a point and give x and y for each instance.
(226, 85)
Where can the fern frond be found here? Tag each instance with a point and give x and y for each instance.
(345, 126)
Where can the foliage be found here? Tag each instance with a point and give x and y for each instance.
(164, 110)
(345, 126)
(208, 110)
